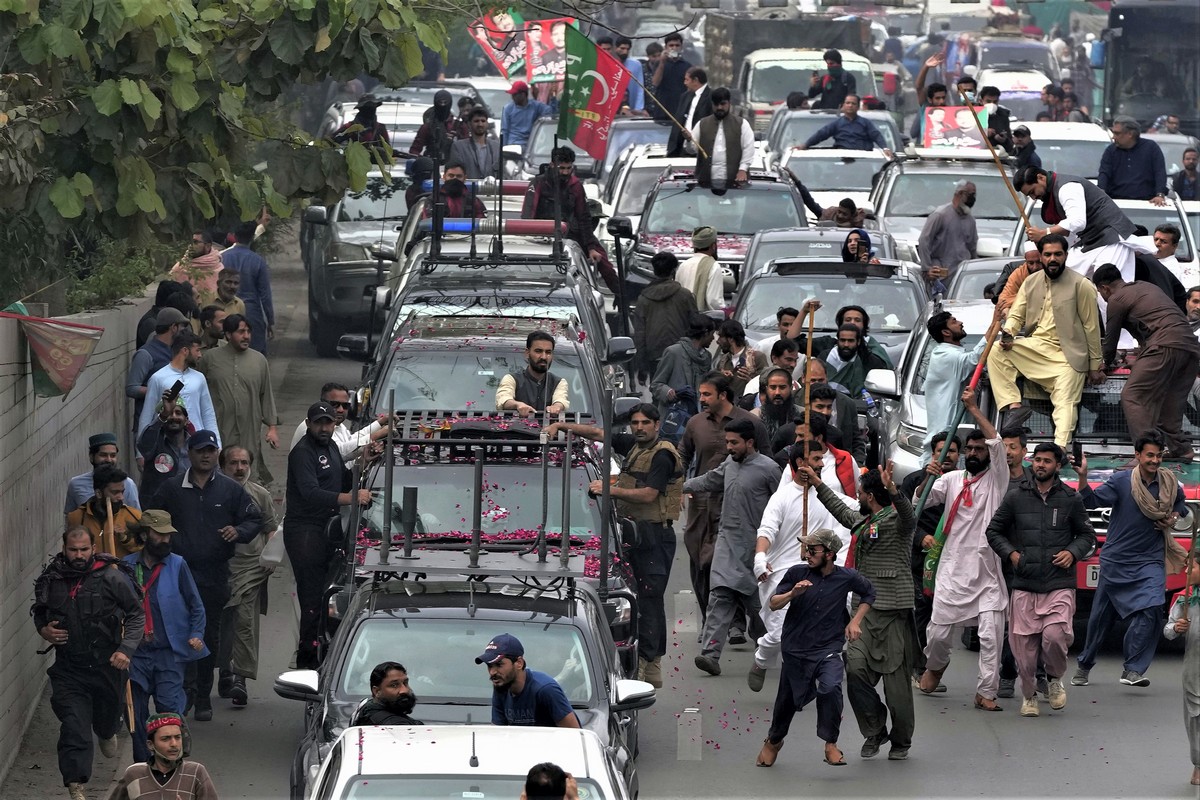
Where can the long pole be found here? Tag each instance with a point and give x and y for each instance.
(667, 111)
(1188, 589)
(1000, 167)
(962, 410)
(812, 314)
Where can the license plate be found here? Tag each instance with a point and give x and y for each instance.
(1093, 576)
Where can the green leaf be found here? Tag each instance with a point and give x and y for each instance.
(370, 50)
(247, 196)
(279, 204)
(358, 162)
(203, 202)
(66, 198)
(151, 105)
(61, 40)
(212, 14)
(180, 62)
(290, 40)
(107, 97)
(203, 171)
(184, 94)
(32, 45)
(75, 13)
(83, 184)
(130, 93)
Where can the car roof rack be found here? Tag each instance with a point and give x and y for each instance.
(419, 326)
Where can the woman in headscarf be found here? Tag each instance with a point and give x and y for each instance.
(857, 247)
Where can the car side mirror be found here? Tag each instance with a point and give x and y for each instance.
(303, 684)
(633, 695)
(881, 382)
(620, 350)
(620, 227)
(623, 407)
(316, 215)
(353, 346)
(383, 251)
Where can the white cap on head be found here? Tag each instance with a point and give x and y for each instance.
(1030, 247)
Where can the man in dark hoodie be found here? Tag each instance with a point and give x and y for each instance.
(439, 130)
(685, 363)
(391, 699)
(661, 315)
(560, 187)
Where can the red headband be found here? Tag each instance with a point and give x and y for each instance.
(155, 724)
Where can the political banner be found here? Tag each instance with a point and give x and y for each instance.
(60, 351)
(501, 35)
(595, 84)
(954, 126)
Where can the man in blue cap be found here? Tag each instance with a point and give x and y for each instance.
(522, 696)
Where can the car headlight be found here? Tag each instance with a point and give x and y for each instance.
(911, 438)
(344, 251)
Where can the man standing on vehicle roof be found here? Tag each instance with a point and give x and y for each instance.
(727, 143)
(367, 129)
(832, 88)
(534, 388)
(1161, 377)
(849, 131)
(518, 116)
(932, 96)
(1139, 552)
(459, 202)
(438, 133)
(649, 492)
(522, 696)
(1133, 168)
(695, 105)
(480, 153)
(560, 188)
(950, 236)
(949, 365)
(999, 118)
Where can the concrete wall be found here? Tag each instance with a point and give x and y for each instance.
(43, 443)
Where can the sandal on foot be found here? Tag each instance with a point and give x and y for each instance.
(768, 754)
(840, 761)
(982, 702)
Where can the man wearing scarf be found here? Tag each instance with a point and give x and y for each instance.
(1138, 552)
(833, 87)
(200, 266)
(969, 581)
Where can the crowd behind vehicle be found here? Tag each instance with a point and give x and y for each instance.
(785, 277)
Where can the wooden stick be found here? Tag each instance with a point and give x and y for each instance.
(1003, 173)
(812, 313)
(1188, 588)
(108, 539)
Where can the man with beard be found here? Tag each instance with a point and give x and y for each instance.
(165, 776)
(969, 580)
(214, 513)
(838, 468)
(1161, 378)
(237, 660)
(1138, 554)
(1042, 529)
(704, 443)
(349, 443)
(1060, 348)
(162, 447)
(815, 631)
(777, 407)
(102, 449)
(848, 354)
(108, 483)
(317, 484)
(1014, 274)
(635, 96)
(480, 154)
(201, 267)
(392, 699)
(558, 194)
(255, 287)
(535, 388)
(229, 281)
(857, 315)
(239, 380)
(883, 527)
(174, 628)
(778, 549)
(518, 116)
(949, 365)
(185, 356)
(522, 696)
(89, 612)
(455, 195)
(212, 327)
(949, 236)
(747, 479)
(723, 144)
(785, 355)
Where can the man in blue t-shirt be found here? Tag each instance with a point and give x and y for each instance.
(523, 696)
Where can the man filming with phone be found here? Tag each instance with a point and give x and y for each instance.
(185, 355)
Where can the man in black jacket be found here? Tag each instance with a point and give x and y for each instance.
(317, 484)
(391, 699)
(695, 105)
(213, 514)
(87, 608)
(1042, 528)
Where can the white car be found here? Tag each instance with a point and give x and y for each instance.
(402, 121)
(1020, 90)
(832, 174)
(1070, 148)
(630, 181)
(476, 761)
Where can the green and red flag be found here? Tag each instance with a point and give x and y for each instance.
(592, 96)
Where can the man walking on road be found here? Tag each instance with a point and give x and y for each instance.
(883, 526)
(108, 482)
(1041, 528)
(102, 449)
(162, 447)
(255, 287)
(87, 608)
(701, 274)
(165, 776)
(969, 579)
(1161, 378)
(185, 349)
(1139, 551)
(662, 314)
(747, 479)
(153, 355)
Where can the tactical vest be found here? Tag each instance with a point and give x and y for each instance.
(637, 465)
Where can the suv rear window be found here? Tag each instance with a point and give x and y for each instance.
(681, 208)
(893, 304)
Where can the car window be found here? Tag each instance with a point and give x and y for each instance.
(466, 379)
(918, 383)
(968, 284)
(441, 787)
(773, 81)
(622, 137)
(440, 656)
(892, 303)
(541, 142)
(1172, 152)
(1071, 156)
(919, 194)
(679, 209)
(845, 173)
(380, 200)
(826, 247)
(637, 186)
(999, 55)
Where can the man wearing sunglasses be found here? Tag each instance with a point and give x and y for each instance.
(348, 443)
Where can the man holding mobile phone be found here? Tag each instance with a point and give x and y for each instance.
(185, 356)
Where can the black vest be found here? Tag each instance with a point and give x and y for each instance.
(1106, 223)
(532, 393)
(732, 125)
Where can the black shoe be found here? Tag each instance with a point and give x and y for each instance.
(737, 637)
(898, 754)
(203, 714)
(1015, 417)
(224, 684)
(871, 746)
(237, 692)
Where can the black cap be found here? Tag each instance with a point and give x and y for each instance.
(319, 411)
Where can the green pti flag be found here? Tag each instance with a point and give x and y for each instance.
(592, 94)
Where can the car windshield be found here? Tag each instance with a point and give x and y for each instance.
(1071, 156)
(826, 247)
(844, 173)
(465, 379)
(773, 81)
(1151, 217)
(1172, 152)
(500, 305)
(892, 303)
(1000, 55)
(380, 200)
(798, 128)
(440, 656)
(919, 194)
(622, 137)
(1027, 105)
(541, 142)
(494, 99)
(968, 284)
(638, 184)
(680, 209)
(441, 787)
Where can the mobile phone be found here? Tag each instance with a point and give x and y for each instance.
(173, 392)
(1077, 451)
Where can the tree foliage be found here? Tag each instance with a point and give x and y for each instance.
(140, 120)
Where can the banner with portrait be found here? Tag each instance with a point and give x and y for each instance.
(501, 35)
(954, 126)
(546, 51)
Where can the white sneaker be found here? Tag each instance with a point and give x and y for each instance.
(75, 791)
(1057, 694)
(1029, 707)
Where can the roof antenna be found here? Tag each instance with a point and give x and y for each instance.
(474, 221)
(435, 200)
(558, 201)
(474, 758)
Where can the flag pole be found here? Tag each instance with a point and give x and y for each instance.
(666, 111)
(812, 314)
(1003, 173)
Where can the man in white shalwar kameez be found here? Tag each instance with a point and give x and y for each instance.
(970, 583)
(778, 547)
